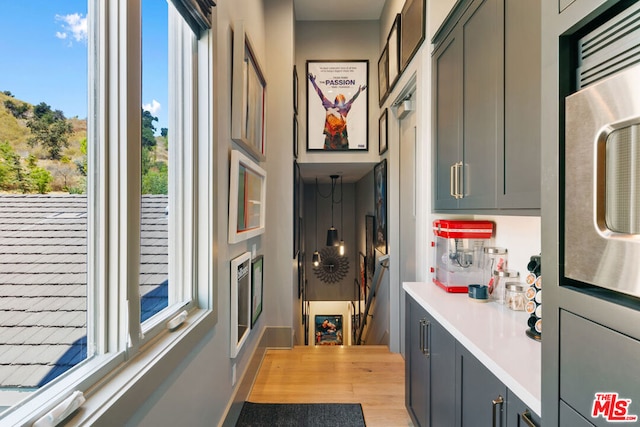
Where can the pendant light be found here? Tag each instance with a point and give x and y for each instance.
(316, 254)
(332, 233)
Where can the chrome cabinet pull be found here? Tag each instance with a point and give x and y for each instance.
(525, 416)
(422, 325)
(425, 349)
(452, 185)
(497, 401)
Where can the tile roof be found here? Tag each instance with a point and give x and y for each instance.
(43, 273)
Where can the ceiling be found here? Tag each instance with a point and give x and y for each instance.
(338, 10)
(350, 172)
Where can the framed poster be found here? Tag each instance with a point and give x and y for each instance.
(370, 253)
(337, 105)
(248, 96)
(295, 90)
(247, 192)
(328, 329)
(412, 30)
(382, 132)
(257, 276)
(393, 46)
(380, 200)
(295, 136)
(297, 188)
(240, 302)
(383, 76)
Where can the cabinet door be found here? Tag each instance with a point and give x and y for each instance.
(480, 392)
(483, 76)
(519, 173)
(442, 374)
(416, 364)
(447, 116)
(517, 411)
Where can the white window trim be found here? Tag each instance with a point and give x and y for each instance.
(128, 368)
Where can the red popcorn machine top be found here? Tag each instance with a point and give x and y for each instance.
(458, 253)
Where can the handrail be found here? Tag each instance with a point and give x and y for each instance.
(384, 263)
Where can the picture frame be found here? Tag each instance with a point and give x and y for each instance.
(297, 188)
(295, 90)
(412, 30)
(370, 253)
(393, 47)
(257, 288)
(295, 136)
(247, 198)
(363, 276)
(248, 99)
(333, 128)
(240, 302)
(383, 75)
(380, 200)
(383, 132)
(328, 329)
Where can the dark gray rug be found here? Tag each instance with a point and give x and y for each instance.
(301, 414)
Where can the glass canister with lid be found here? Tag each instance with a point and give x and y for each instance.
(494, 258)
(515, 297)
(500, 278)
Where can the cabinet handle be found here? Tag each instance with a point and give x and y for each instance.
(452, 185)
(422, 325)
(525, 416)
(497, 401)
(425, 348)
(460, 180)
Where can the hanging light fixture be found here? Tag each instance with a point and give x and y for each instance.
(341, 246)
(332, 233)
(316, 255)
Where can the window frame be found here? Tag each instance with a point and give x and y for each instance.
(128, 360)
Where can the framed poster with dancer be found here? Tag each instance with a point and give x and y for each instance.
(337, 105)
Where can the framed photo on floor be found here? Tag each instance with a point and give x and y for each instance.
(337, 105)
(328, 329)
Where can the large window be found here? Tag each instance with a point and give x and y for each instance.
(98, 139)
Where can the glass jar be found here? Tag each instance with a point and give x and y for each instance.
(498, 282)
(493, 259)
(515, 297)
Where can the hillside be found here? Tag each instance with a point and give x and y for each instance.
(65, 174)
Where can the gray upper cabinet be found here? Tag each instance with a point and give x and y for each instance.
(486, 107)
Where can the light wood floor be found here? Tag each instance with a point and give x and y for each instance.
(369, 375)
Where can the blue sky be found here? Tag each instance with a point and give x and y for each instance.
(43, 51)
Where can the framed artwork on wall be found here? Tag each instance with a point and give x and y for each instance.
(247, 197)
(370, 253)
(257, 276)
(240, 302)
(337, 105)
(380, 200)
(295, 90)
(328, 329)
(383, 133)
(383, 75)
(248, 96)
(412, 30)
(295, 136)
(393, 47)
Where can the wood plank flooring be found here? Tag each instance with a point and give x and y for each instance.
(369, 375)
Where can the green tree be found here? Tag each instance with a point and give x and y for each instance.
(148, 130)
(164, 132)
(11, 173)
(40, 178)
(50, 129)
(17, 110)
(156, 180)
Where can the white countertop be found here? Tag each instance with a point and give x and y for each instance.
(493, 333)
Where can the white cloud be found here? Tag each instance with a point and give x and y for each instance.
(153, 108)
(73, 24)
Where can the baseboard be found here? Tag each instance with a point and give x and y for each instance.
(272, 337)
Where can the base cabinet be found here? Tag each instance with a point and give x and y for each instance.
(446, 385)
(430, 369)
